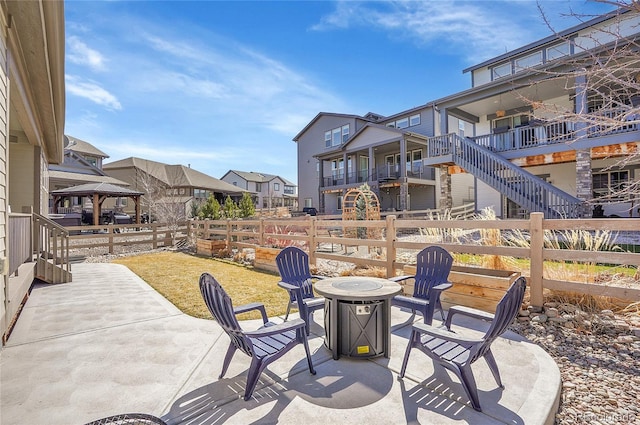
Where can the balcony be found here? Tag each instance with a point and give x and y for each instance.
(605, 128)
(381, 174)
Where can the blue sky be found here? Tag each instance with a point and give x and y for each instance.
(222, 85)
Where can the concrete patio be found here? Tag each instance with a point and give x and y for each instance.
(108, 343)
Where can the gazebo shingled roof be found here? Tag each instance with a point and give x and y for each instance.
(99, 192)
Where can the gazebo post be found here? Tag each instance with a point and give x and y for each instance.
(96, 209)
(136, 201)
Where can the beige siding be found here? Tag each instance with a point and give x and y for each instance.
(22, 174)
(4, 118)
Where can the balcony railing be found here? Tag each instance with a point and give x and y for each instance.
(527, 136)
(20, 241)
(381, 173)
(598, 124)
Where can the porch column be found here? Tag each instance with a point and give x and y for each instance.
(372, 167)
(345, 167)
(582, 106)
(445, 188)
(444, 121)
(584, 180)
(403, 159)
(404, 194)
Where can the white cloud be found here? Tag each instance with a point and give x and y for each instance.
(91, 90)
(230, 79)
(79, 53)
(481, 29)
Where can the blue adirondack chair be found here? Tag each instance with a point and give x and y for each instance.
(293, 265)
(268, 343)
(432, 277)
(458, 354)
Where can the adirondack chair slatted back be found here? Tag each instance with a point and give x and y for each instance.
(433, 265)
(506, 311)
(221, 307)
(293, 265)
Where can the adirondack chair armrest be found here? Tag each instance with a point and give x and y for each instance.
(250, 307)
(444, 334)
(277, 329)
(400, 278)
(442, 287)
(289, 287)
(315, 276)
(467, 311)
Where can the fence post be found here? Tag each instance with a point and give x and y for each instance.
(111, 231)
(312, 240)
(261, 232)
(391, 245)
(229, 239)
(537, 261)
(154, 226)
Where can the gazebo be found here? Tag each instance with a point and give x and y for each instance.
(98, 192)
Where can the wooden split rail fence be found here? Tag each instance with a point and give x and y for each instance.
(383, 240)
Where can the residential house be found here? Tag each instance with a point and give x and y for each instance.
(82, 163)
(267, 190)
(32, 100)
(527, 139)
(337, 152)
(505, 143)
(184, 185)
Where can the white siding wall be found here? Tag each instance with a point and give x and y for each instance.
(481, 76)
(561, 103)
(462, 188)
(488, 197)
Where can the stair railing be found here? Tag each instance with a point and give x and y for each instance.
(529, 191)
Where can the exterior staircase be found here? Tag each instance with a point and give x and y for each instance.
(527, 190)
(51, 251)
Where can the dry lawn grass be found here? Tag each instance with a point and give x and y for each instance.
(175, 275)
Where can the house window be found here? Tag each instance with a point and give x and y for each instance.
(501, 70)
(91, 160)
(340, 202)
(235, 183)
(337, 168)
(258, 187)
(512, 121)
(337, 136)
(276, 187)
(414, 160)
(345, 133)
(289, 190)
(405, 122)
(181, 191)
(528, 61)
(558, 51)
(308, 202)
(402, 123)
(460, 128)
(609, 185)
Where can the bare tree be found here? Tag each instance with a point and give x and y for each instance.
(162, 200)
(603, 72)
